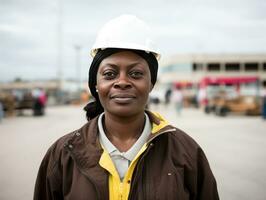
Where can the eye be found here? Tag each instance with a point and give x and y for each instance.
(109, 74)
(136, 74)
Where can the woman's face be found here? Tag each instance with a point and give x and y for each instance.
(123, 84)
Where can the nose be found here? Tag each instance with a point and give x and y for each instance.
(122, 82)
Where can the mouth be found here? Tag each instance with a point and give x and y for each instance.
(123, 98)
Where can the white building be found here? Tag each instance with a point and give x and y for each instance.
(194, 67)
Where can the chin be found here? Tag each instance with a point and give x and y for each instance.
(126, 112)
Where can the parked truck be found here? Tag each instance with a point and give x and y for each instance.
(226, 95)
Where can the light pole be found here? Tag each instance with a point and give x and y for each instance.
(59, 43)
(78, 66)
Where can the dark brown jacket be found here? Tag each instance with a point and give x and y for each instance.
(172, 167)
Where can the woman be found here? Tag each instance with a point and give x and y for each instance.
(124, 151)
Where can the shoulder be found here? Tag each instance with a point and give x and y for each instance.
(176, 135)
(184, 139)
(54, 153)
(59, 150)
(179, 142)
(181, 149)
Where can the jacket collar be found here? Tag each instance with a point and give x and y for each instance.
(86, 139)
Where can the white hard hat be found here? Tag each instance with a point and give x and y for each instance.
(126, 32)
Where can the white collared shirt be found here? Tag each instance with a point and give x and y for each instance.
(122, 160)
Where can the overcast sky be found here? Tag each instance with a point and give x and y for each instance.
(28, 30)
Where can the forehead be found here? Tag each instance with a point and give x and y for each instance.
(124, 58)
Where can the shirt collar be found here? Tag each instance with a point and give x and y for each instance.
(105, 142)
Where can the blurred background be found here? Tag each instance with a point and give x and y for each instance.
(211, 82)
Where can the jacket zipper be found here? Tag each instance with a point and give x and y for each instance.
(144, 154)
(137, 170)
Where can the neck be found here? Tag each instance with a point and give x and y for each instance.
(123, 132)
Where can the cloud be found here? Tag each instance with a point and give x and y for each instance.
(29, 30)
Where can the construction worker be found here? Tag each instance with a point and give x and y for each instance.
(125, 151)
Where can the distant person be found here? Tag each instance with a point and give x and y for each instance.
(264, 103)
(1, 111)
(202, 97)
(39, 97)
(177, 99)
(167, 96)
(124, 151)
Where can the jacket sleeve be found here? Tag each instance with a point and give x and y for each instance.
(206, 183)
(48, 182)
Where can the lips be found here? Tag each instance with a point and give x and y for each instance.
(123, 98)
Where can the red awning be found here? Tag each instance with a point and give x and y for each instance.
(183, 84)
(228, 80)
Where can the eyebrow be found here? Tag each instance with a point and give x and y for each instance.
(130, 65)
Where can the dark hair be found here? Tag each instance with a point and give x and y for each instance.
(95, 108)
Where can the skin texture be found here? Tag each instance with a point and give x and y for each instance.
(124, 84)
